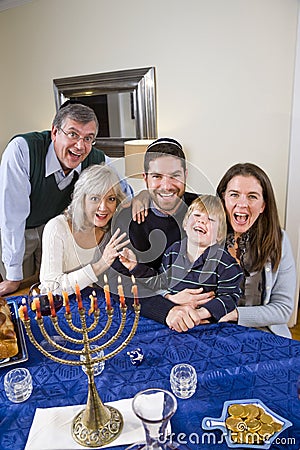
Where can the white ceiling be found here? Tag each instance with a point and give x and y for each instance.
(7, 4)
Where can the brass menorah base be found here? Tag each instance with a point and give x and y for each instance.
(97, 424)
(103, 434)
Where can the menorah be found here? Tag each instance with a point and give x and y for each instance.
(97, 424)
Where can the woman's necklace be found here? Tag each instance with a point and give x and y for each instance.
(238, 246)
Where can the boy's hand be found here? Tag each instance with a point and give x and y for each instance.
(128, 258)
(191, 297)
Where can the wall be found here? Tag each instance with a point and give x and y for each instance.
(292, 209)
(224, 71)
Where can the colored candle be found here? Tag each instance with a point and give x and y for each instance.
(107, 293)
(92, 307)
(134, 290)
(78, 296)
(121, 293)
(21, 312)
(38, 308)
(25, 311)
(95, 300)
(36, 305)
(51, 303)
(66, 301)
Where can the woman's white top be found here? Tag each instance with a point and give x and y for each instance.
(64, 260)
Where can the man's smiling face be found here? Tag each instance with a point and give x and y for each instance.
(165, 181)
(69, 151)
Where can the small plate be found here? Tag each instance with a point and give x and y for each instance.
(210, 423)
(22, 354)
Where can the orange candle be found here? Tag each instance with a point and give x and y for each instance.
(51, 303)
(121, 293)
(66, 302)
(106, 293)
(38, 308)
(78, 296)
(21, 313)
(25, 311)
(134, 290)
(95, 300)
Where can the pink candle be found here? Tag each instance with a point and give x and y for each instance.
(121, 293)
(78, 296)
(51, 303)
(107, 293)
(66, 301)
(134, 290)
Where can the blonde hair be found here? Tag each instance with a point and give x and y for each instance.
(212, 206)
(97, 179)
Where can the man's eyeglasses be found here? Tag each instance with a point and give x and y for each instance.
(74, 137)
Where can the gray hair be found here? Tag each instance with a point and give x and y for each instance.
(78, 113)
(97, 179)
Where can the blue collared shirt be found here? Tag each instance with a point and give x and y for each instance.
(53, 166)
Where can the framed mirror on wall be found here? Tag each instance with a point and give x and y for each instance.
(124, 102)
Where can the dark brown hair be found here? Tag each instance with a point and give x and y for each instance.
(164, 147)
(265, 235)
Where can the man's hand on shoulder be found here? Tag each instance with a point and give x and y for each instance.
(8, 287)
(140, 205)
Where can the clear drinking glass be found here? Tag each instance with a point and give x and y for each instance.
(183, 380)
(18, 385)
(154, 407)
(40, 290)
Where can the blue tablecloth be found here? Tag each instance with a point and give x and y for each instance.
(232, 362)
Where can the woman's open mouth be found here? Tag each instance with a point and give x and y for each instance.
(101, 216)
(241, 218)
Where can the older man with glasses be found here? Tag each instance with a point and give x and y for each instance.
(37, 175)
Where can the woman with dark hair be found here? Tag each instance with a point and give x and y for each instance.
(256, 240)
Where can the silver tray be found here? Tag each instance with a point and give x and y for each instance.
(22, 354)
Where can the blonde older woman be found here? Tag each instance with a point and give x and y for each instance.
(78, 245)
